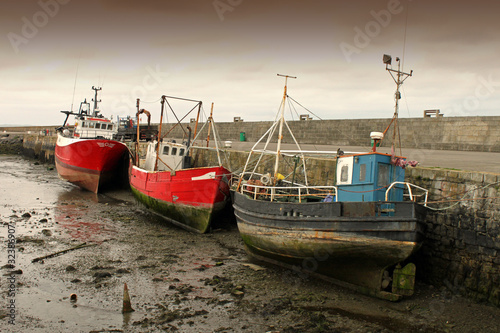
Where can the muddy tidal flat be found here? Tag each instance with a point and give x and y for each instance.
(66, 255)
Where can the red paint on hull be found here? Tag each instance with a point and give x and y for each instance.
(88, 163)
(188, 187)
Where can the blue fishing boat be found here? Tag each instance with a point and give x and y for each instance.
(358, 233)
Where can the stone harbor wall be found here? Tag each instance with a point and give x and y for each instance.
(438, 133)
(462, 241)
(40, 147)
(11, 143)
(441, 133)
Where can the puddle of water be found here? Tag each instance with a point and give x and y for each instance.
(63, 216)
(53, 309)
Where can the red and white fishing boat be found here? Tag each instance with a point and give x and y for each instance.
(87, 155)
(166, 183)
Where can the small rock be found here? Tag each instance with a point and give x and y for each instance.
(237, 292)
(202, 268)
(47, 232)
(101, 275)
(70, 269)
(200, 312)
(43, 220)
(254, 267)
(76, 281)
(26, 215)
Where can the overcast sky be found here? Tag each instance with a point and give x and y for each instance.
(229, 51)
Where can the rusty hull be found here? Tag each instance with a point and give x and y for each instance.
(318, 238)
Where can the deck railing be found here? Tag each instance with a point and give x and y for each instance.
(94, 133)
(297, 192)
(411, 194)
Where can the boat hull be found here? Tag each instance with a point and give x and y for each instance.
(188, 198)
(88, 163)
(350, 242)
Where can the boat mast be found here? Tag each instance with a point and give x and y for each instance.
(95, 111)
(399, 79)
(160, 138)
(282, 121)
(137, 137)
(210, 123)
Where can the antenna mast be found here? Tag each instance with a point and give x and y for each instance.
(95, 112)
(399, 77)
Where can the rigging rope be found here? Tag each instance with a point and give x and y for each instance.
(305, 108)
(404, 40)
(462, 198)
(156, 101)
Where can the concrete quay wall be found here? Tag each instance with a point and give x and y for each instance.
(437, 133)
(40, 147)
(462, 241)
(457, 133)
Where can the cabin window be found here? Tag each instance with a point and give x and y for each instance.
(174, 151)
(181, 152)
(84, 124)
(383, 174)
(344, 173)
(91, 125)
(110, 127)
(97, 126)
(362, 172)
(165, 150)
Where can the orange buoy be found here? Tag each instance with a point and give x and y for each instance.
(127, 307)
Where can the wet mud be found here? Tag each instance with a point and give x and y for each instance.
(75, 251)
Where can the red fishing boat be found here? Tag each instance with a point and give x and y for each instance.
(86, 155)
(166, 183)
